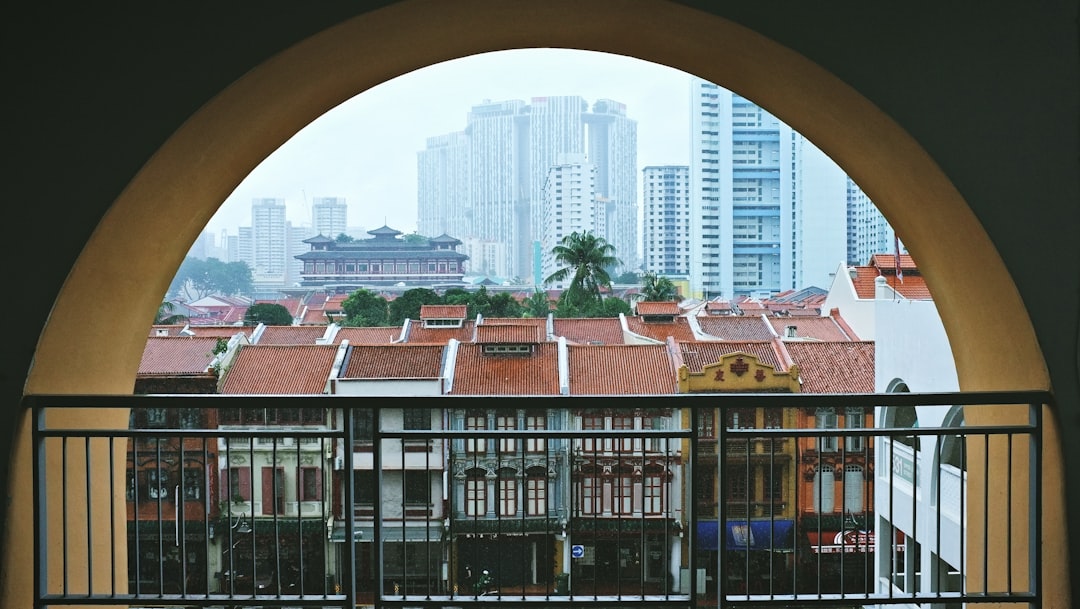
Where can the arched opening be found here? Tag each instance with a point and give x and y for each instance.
(172, 198)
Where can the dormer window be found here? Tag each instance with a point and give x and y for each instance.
(507, 349)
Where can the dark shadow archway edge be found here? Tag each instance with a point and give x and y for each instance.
(171, 199)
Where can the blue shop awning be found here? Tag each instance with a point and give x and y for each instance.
(768, 535)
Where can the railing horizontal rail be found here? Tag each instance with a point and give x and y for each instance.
(644, 509)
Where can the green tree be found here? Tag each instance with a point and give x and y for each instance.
(268, 313)
(415, 238)
(165, 315)
(407, 306)
(233, 278)
(658, 288)
(626, 278)
(537, 304)
(503, 304)
(585, 259)
(343, 238)
(480, 303)
(613, 306)
(364, 308)
(457, 296)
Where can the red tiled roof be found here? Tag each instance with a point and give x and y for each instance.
(177, 355)
(647, 307)
(479, 374)
(222, 331)
(819, 328)
(393, 362)
(505, 333)
(293, 305)
(735, 328)
(315, 317)
(621, 369)
(167, 329)
(911, 286)
(419, 334)
(368, 336)
(291, 335)
(697, 354)
(540, 322)
(834, 367)
(443, 311)
(280, 369)
(660, 330)
(589, 330)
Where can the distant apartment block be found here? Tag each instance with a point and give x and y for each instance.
(487, 182)
(329, 216)
(666, 202)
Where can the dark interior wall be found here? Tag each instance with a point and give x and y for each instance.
(990, 91)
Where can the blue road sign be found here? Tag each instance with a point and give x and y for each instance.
(577, 551)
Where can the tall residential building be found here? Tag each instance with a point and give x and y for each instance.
(570, 206)
(296, 245)
(612, 150)
(666, 202)
(869, 232)
(329, 217)
(740, 204)
(819, 202)
(442, 190)
(769, 211)
(510, 146)
(268, 243)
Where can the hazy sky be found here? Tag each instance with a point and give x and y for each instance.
(366, 149)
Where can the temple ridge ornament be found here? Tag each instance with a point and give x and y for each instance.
(739, 367)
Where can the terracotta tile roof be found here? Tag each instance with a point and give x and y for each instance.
(540, 322)
(368, 336)
(295, 306)
(911, 286)
(166, 330)
(735, 328)
(589, 330)
(479, 374)
(621, 369)
(417, 333)
(443, 311)
(291, 335)
(280, 369)
(505, 333)
(315, 317)
(646, 307)
(222, 331)
(177, 355)
(718, 307)
(697, 354)
(834, 367)
(819, 328)
(888, 261)
(393, 362)
(661, 330)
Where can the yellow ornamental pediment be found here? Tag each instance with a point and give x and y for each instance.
(738, 372)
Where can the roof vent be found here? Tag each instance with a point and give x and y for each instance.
(791, 331)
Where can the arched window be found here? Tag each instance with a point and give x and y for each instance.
(824, 480)
(853, 489)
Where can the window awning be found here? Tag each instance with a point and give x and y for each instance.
(769, 535)
(364, 534)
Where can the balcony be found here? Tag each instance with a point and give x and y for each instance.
(615, 525)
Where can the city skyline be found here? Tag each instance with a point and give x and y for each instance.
(365, 150)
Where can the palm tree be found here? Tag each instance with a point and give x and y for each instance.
(658, 288)
(586, 257)
(165, 316)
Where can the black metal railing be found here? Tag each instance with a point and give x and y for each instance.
(497, 503)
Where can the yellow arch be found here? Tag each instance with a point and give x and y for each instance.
(144, 236)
